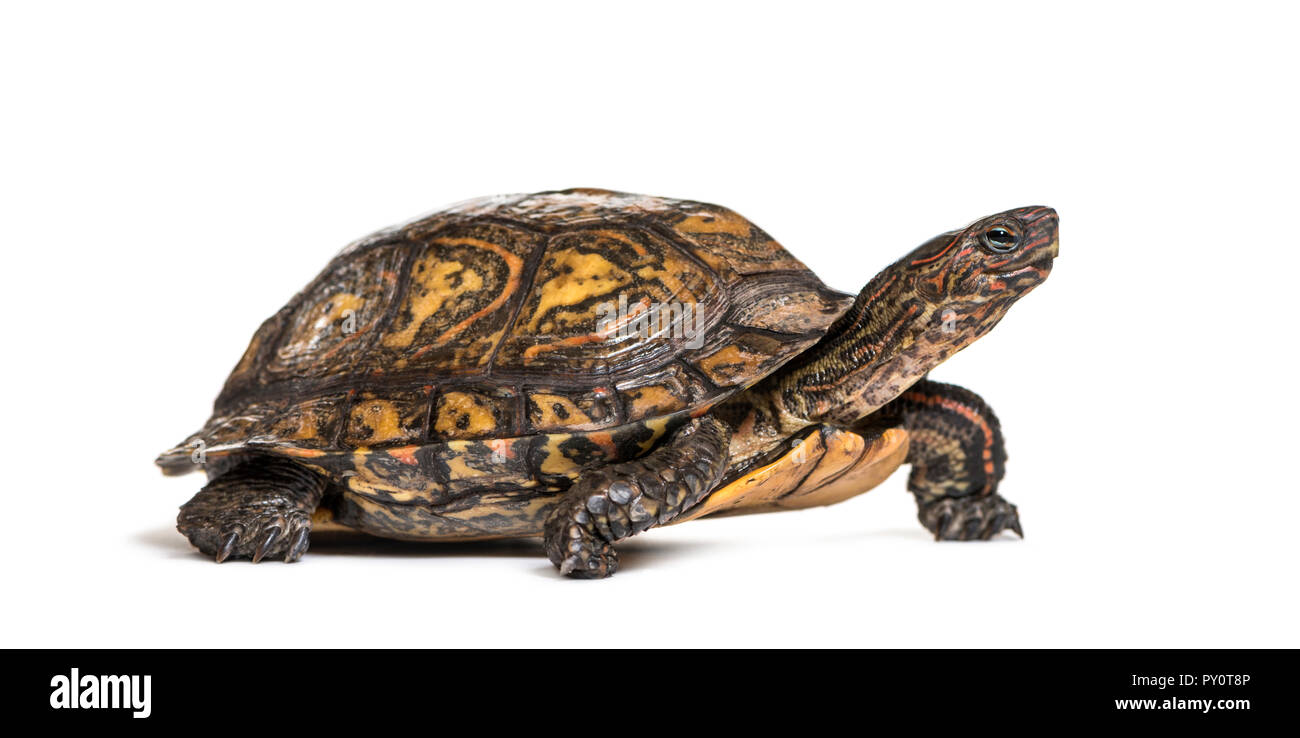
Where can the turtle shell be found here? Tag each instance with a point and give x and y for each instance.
(572, 312)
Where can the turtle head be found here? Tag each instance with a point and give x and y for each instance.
(916, 313)
(972, 276)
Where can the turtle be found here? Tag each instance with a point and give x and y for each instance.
(584, 365)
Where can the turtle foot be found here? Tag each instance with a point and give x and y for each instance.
(243, 533)
(970, 518)
(607, 505)
(578, 553)
(252, 513)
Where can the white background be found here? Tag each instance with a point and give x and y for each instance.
(171, 176)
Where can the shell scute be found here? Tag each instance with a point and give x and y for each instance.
(487, 412)
(313, 423)
(387, 418)
(554, 410)
(592, 299)
(324, 331)
(456, 305)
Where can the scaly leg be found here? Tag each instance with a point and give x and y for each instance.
(262, 507)
(958, 458)
(621, 500)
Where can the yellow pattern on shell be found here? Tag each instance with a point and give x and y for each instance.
(554, 461)
(382, 418)
(591, 275)
(549, 418)
(453, 406)
(434, 278)
(720, 221)
(657, 427)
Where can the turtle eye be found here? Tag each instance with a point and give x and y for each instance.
(1002, 238)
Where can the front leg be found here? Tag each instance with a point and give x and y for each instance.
(610, 504)
(262, 507)
(958, 458)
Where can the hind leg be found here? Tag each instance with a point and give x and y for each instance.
(958, 458)
(621, 500)
(260, 508)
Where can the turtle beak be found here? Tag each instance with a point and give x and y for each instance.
(1042, 240)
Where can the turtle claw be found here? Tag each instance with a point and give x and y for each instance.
(299, 546)
(970, 518)
(227, 546)
(940, 525)
(273, 535)
(568, 565)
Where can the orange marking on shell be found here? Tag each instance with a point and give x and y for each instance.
(616, 236)
(513, 263)
(405, 454)
(502, 447)
(531, 352)
(641, 306)
(303, 453)
(702, 410)
(606, 442)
